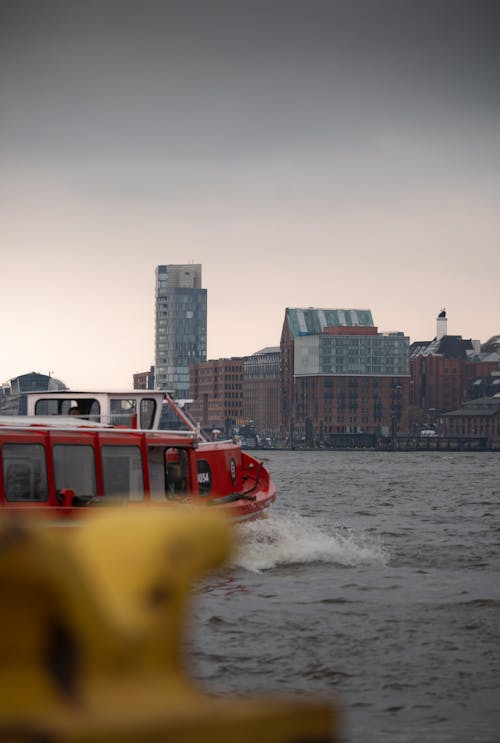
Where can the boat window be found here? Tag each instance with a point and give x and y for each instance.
(74, 467)
(87, 408)
(122, 472)
(204, 477)
(168, 472)
(147, 413)
(24, 472)
(157, 472)
(177, 472)
(47, 407)
(123, 412)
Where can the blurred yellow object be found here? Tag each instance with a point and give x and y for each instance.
(92, 630)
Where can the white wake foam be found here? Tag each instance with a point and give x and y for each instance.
(293, 539)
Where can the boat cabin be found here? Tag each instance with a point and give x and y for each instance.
(62, 463)
(130, 408)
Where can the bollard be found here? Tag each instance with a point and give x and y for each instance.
(92, 628)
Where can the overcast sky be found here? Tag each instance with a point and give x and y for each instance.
(341, 154)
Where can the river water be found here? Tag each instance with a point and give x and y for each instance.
(375, 581)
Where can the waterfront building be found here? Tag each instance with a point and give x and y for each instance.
(475, 419)
(485, 386)
(145, 380)
(180, 326)
(216, 394)
(261, 392)
(443, 370)
(487, 381)
(340, 376)
(492, 345)
(238, 393)
(13, 392)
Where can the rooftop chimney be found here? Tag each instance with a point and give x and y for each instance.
(442, 322)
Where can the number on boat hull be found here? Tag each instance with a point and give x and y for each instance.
(204, 477)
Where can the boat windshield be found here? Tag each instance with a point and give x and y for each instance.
(123, 412)
(147, 413)
(87, 408)
(128, 412)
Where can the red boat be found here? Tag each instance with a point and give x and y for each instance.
(57, 464)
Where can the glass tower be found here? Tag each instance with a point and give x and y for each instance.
(180, 326)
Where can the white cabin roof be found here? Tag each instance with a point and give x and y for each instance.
(98, 393)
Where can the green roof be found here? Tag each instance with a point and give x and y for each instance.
(312, 321)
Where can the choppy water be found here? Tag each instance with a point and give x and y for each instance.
(375, 580)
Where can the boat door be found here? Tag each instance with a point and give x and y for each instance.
(169, 475)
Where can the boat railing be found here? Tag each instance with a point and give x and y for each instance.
(246, 494)
(74, 423)
(257, 478)
(185, 416)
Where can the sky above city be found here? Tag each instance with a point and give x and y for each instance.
(308, 153)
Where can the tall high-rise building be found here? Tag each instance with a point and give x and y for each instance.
(180, 326)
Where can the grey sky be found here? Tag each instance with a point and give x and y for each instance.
(282, 131)
(211, 79)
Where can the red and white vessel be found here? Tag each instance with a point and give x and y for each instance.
(87, 449)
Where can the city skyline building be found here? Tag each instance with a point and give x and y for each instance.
(216, 392)
(145, 380)
(180, 325)
(233, 394)
(13, 392)
(340, 375)
(261, 391)
(445, 368)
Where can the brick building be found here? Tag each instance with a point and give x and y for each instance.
(487, 385)
(443, 370)
(216, 393)
(229, 393)
(339, 375)
(144, 380)
(261, 391)
(476, 419)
